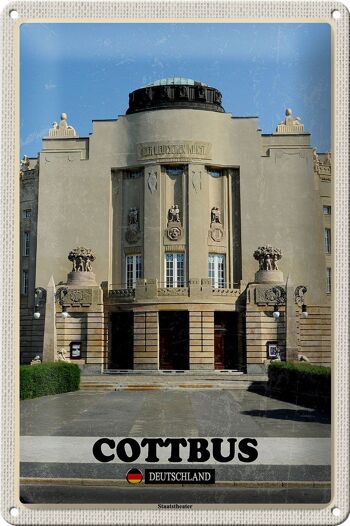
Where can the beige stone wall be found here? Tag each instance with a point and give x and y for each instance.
(315, 335)
(261, 328)
(87, 327)
(277, 196)
(267, 194)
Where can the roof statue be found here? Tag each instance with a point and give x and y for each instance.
(290, 125)
(62, 130)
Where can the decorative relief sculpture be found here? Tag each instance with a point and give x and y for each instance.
(290, 124)
(133, 216)
(132, 234)
(174, 214)
(24, 164)
(268, 267)
(81, 258)
(276, 295)
(81, 274)
(197, 181)
(268, 257)
(215, 215)
(299, 293)
(152, 181)
(316, 161)
(25, 168)
(76, 296)
(39, 296)
(174, 228)
(62, 129)
(216, 231)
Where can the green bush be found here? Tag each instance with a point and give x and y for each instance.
(301, 382)
(48, 378)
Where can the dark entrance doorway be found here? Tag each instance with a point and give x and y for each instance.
(122, 341)
(173, 340)
(227, 341)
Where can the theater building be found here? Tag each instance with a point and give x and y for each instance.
(176, 237)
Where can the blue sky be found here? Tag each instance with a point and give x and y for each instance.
(88, 70)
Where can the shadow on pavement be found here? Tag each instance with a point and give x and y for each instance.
(309, 414)
(298, 415)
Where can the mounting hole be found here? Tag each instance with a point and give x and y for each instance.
(336, 14)
(14, 15)
(335, 512)
(14, 512)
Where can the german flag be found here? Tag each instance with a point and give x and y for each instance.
(134, 476)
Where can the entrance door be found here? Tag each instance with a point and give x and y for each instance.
(173, 340)
(122, 344)
(226, 352)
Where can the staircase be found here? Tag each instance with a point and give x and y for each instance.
(179, 381)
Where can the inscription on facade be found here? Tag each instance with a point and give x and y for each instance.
(174, 149)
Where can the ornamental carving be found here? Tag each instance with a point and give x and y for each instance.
(197, 181)
(133, 216)
(174, 233)
(81, 258)
(152, 181)
(81, 296)
(174, 214)
(62, 129)
(174, 228)
(290, 124)
(40, 296)
(299, 293)
(215, 216)
(216, 231)
(132, 234)
(275, 295)
(268, 257)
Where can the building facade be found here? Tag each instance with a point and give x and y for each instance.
(171, 235)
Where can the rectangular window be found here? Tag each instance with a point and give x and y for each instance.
(25, 282)
(175, 270)
(327, 240)
(216, 270)
(133, 270)
(26, 243)
(328, 280)
(27, 214)
(327, 210)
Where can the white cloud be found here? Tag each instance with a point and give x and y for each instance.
(34, 136)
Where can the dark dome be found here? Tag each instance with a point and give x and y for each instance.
(175, 93)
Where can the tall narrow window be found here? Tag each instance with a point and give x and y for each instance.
(216, 270)
(328, 280)
(133, 270)
(175, 270)
(327, 240)
(25, 282)
(26, 243)
(327, 210)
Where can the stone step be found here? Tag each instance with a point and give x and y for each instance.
(132, 385)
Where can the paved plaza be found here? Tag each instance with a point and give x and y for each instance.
(56, 430)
